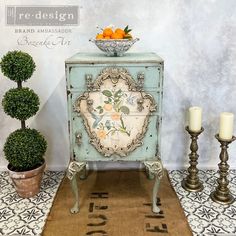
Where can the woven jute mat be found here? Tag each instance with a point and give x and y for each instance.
(117, 203)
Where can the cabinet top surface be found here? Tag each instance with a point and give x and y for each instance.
(86, 58)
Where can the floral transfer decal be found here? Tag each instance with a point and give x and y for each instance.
(108, 116)
(115, 112)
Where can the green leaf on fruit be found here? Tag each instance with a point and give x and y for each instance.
(127, 30)
(107, 93)
(125, 110)
(118, 93)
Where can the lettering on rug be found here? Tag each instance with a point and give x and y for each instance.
(97, 214)
(151, 220)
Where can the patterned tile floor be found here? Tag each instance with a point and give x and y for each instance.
(27, 216)
(20, 216)
(205, 216)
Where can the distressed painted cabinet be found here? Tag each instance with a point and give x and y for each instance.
(114, 110)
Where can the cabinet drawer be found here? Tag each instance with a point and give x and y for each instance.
(76, 75)
(84, 151)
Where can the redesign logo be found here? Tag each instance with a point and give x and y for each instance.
(42, 15)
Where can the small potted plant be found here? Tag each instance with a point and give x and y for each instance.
(24, 148)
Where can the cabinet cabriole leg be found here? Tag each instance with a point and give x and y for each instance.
(75, 190)
(155, 208)
(155, 168)
(74, 168)
(84, 174)
(149, 175)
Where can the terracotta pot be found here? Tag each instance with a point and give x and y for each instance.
(27, 183)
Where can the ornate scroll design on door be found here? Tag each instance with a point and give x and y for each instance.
(115, 112)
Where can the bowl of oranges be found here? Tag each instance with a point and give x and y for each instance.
(114, 42)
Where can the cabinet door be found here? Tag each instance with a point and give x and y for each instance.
(114, 119)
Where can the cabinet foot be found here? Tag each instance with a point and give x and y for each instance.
(155, 168)
(75, 208)
(74, 168)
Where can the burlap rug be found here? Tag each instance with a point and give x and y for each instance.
(117, 203)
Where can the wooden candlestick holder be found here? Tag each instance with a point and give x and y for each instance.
(192, 183)
(222, 193)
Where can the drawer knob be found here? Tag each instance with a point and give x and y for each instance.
(140, 104)
(90, 105)
(79, 138)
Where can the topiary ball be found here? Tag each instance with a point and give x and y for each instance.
(24, 149)
(20, 103)
(17, 66)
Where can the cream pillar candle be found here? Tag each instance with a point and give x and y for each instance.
(195, 119)
(226, 125)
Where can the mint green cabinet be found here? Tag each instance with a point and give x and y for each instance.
(114, 111)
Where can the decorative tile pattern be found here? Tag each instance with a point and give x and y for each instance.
(205, 216)
(22, 217)
(19, 216)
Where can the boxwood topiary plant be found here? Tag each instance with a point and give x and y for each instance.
(24, 148)
(17, 66)
(20, 103)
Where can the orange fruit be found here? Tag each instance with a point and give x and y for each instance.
(108, 107)
(99, 36)
(107, 37)
(115, 116)
(101, 134)
(107, 32)
(120, 31)
(116, 36)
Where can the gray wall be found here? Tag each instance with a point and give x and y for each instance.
(197, 40)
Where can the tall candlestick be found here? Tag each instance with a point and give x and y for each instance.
(222, 193)
(192, 183)
(226, 125)
(195, 119)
